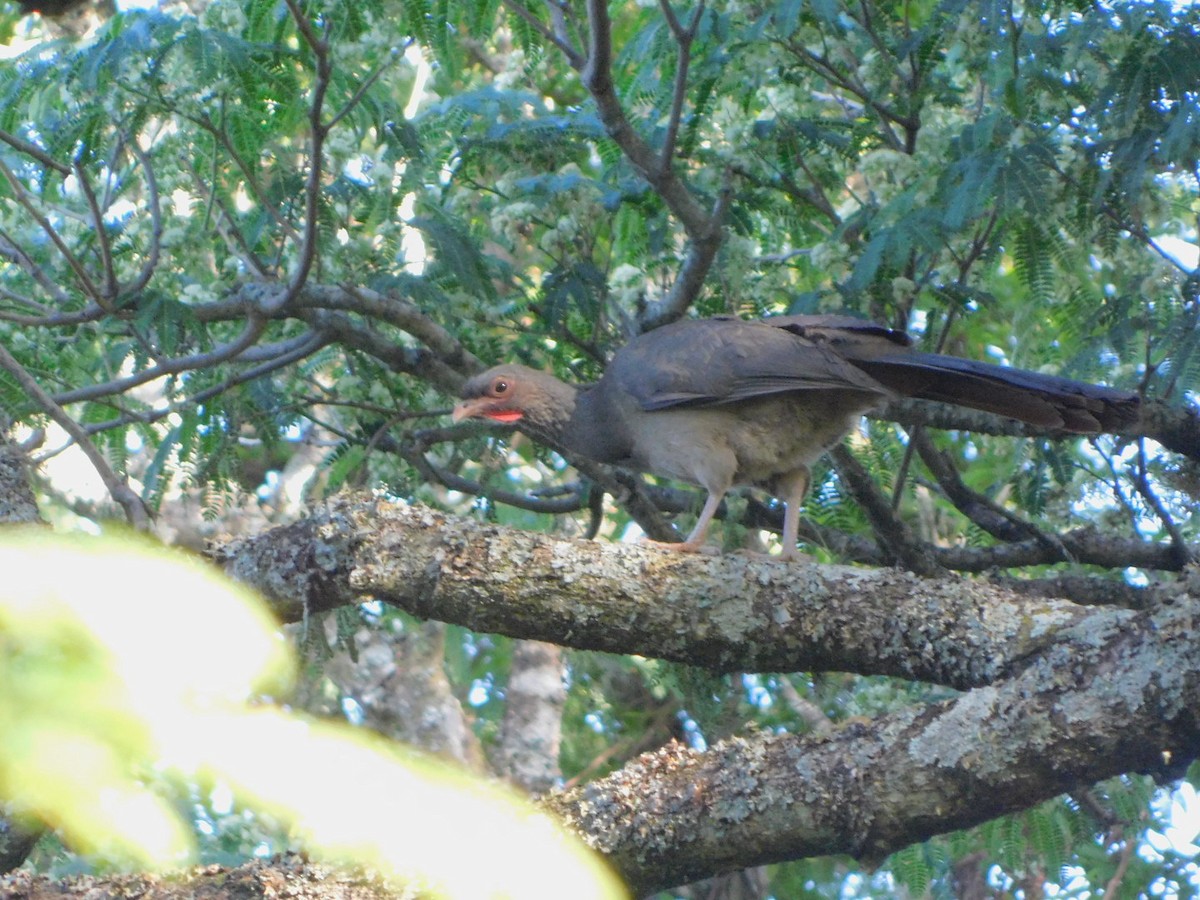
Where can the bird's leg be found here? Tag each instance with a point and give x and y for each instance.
(695, 541)
(792, 489)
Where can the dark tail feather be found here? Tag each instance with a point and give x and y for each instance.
(1044, 400)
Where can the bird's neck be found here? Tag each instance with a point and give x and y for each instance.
(550, 419)
(578, 421)
(595, 429)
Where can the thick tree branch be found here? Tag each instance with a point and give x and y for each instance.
(1079, 712)
(415, 361)
(1066, 695)
(527, 751)
(1084, 546)
(406, 316)
(444, 363)
(730, 613)
(291, 876)
(1090, 589)
(692, 274)
(1175, 427)
(17, 507)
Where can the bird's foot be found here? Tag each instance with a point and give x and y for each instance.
(684, 547)
(796, 557)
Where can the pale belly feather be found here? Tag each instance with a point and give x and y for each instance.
(771, 437)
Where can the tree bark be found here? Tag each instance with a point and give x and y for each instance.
(399, 682)
(531, 732)
(290, 877)
(1057, 695)
(17, 507)
(733, 613)
(1078, 713)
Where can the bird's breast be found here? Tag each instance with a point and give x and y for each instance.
(751, 442)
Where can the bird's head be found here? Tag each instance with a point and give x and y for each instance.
(516, 393)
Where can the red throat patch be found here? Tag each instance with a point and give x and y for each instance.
(506, 415)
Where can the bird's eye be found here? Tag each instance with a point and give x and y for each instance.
(500, 386)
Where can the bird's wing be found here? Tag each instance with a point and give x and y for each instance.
(706, 362)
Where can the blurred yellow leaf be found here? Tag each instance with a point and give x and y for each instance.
(120, 658)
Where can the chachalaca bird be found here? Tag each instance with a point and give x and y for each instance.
(723, 401)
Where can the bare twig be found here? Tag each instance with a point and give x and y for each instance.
(1112, 889)
(814, 195)
(89, 313)
(911, 83)
(303, 401)
(560, 41)
(992, 518)
(135, 510)
(150, 263)
(251, 177)
(23, 146)
(630, 491)
(319, 45)
(918, 430)
(885, 115)
(22, 197)
(311, 343)
(367, 84)
(1178, 542)
(226, 225)
(566, 23)
(13, 251)
(655, 732)
(684, 38)
(891, 531)
(21, 300)
(414, 448)
(809, 712)
(107, 297)
(254, 328)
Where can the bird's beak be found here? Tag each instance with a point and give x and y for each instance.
(484, 408)
(467, 409)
